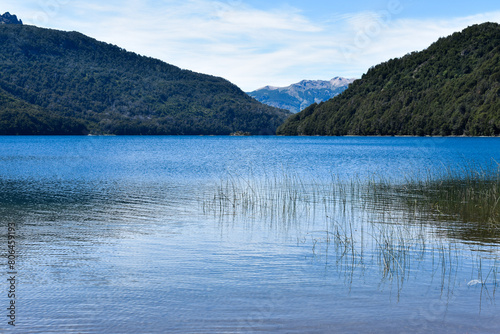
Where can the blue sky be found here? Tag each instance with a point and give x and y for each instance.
(262, 42)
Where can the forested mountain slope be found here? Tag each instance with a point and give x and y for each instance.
(65, 82)
(451, 88)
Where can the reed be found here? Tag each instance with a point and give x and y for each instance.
(400, 226)
(469, 194)
(284, 198)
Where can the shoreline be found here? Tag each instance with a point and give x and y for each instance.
(249, 135)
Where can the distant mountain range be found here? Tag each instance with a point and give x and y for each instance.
(301, 95)
(55, 82)
(451, 88)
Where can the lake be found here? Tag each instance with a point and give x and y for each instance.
(246, 235)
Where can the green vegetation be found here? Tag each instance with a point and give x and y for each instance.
(18, 117)
(399, 227)
(465, 201)
(462, 198)
(451, 88)
(54, 82)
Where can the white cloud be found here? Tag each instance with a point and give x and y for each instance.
(240, 43)
(369, 45)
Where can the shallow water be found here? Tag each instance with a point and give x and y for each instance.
(129, 234)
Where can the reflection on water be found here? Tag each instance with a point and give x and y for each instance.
(155, 235)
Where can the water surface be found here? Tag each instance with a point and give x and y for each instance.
(131, 234)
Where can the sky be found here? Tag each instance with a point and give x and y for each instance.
(262, 42)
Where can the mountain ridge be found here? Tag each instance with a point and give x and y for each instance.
(296, 97)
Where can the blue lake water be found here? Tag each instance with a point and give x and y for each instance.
(128, 235)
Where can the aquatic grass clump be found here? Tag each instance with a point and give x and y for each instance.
(280, 197)
(471, 194)
(401, 227)
(466, 199)
(277, 196)
(462, 200)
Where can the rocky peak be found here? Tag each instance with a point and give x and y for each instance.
(340, 82)
(8, 18)
(302, 94)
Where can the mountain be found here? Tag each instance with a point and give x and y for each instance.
(451, 88)
(18, 117)
(300, 95)
(55, 82)
(7, 18)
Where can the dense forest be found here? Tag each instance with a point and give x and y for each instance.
(55, 82)
(18, 117)
(451, 88)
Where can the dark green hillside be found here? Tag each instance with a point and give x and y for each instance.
(451, 88)
(21, 118)
(50, 77)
